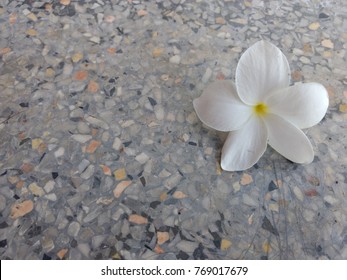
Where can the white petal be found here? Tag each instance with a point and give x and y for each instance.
(304, 104)
(219, 107)
(262, 69)
(245, 146)
(288, 140)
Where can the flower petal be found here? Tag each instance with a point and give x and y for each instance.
(219, 107)
(245, 146)
(262, 69)
(288, 140)
(304, 104)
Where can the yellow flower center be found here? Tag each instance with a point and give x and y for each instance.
(260, 109)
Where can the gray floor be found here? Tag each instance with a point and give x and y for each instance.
(103, 157)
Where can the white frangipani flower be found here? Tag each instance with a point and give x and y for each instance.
(262, 108)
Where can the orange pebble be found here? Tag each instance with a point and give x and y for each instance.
(93, 145)
(111, 50)
(80, 75)
(21, 209)
(93, 86)
(158, 249)
(62, 253)
(65, 2)
(137, 219)
(4, 51)
(106, 169)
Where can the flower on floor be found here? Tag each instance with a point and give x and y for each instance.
(262, 108)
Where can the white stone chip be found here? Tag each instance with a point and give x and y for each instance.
(142, 158)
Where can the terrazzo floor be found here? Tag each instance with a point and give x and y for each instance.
(103, 157)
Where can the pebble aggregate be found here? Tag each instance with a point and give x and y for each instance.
(103, 157)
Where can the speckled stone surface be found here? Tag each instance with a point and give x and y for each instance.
(103, 157)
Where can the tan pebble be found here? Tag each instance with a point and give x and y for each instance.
(246, 179)
(42, 147)
(32, 17)
(110, 19)
(266, 247)
(192, 118)
(331, 91)
(142, 13)
(27, 167)
(120, 174)
(117, 192)
(111, 50)
(283, 202)
(137, 219)
(327, 43)
(65, 2)
(93, 87)
(248, 3)
(240, 20)
(20, 184)
(268, 196)
(106, 170)
(36, 190)
(48, 7)
(21, 209)
(208, 151)
(220, 76)
(278, 183)
(49, 72)
(165, 77)
(162, 237)
(35, 143)
(13, 18)
(179, 195)
(225, 244)
(298, 193)
(13, 179)
(218, 169)
(158, 249)
(327, 54)
(220, 20)
(62, 253)
(80, 75)
(163, 196)
(156, 52)
(250, 219)
(296, 76)
(314, 26)
(93, 145)
(307, 48)
(5, 51)
(274, 207)
(94, 131)
(104, 200)
(343, 108)
(77, 57)
(116, 256)
(31, 32)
